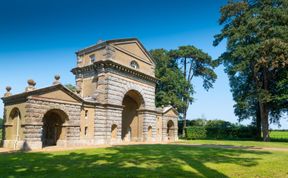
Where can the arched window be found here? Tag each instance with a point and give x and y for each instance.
(134, 65)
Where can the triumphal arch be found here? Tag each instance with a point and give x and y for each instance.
(114, 102)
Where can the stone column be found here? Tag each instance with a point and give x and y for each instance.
(141, 116)
(33, 125)
(114, 116)
(73, 125)
(148, 119)
(32, 136)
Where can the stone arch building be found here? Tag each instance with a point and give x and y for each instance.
(114, 102)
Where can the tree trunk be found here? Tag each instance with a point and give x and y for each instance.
(264, 122)
(186, 108)
(184, 122)
(258, 122)
(264, 109)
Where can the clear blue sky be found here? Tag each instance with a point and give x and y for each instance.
(38, 40)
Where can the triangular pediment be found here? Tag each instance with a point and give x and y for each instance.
(58, 95)
(134, 49)
(56, 92)
(170, 111)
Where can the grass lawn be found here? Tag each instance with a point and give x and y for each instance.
(279, 135)
(238, 143)
(146, 161)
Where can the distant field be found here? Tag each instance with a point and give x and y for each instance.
(279, 135)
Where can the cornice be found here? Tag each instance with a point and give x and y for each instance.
(109, 65)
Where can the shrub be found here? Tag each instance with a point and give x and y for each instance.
(195, 132)
(218, 129)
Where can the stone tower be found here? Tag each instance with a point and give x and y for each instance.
(117, 73)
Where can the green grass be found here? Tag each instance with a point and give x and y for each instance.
(279, 135)
(238, 143)
(147, 161)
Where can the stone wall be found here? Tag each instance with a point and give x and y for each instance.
(114, 116)
(118, 86)
(105, 117)
(36, 109)
(149, 119)
(100, 122)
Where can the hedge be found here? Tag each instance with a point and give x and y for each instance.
(219, 129)
(195, 132)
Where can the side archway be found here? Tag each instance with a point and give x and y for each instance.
(14, 130)
(170, 130)
(53, 130)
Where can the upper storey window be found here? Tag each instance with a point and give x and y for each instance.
(92, 58)
(134, 65)
(79, 60)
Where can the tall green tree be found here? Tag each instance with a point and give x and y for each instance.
(194, 63)
(171, 83)
(256, 58)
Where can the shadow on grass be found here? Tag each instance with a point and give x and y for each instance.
(125, 161)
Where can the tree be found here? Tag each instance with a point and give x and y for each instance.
(256, 58)
(198, 122)
(1, 127)
(194, 63)
(171, 83)
(71, 87)
(1, 123)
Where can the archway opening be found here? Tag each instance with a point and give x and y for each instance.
(149, 133)
(170, 130)
(131, 125)
(15, 131)
(114, 132)
(53, 130)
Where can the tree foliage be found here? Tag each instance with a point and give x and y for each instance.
(256, 59)
(196, 132)
(1, 122)
(194, 63)
(171, 84)
(71, 87)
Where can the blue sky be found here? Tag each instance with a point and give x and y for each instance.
(38, 39)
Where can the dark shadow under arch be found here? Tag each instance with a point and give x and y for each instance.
(15, 130)
(131, 124)
(170, 130)
(53, 129)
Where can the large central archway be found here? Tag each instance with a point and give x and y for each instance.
(53, 130)
(131, 123)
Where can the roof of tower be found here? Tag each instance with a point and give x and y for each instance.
(102, 44)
